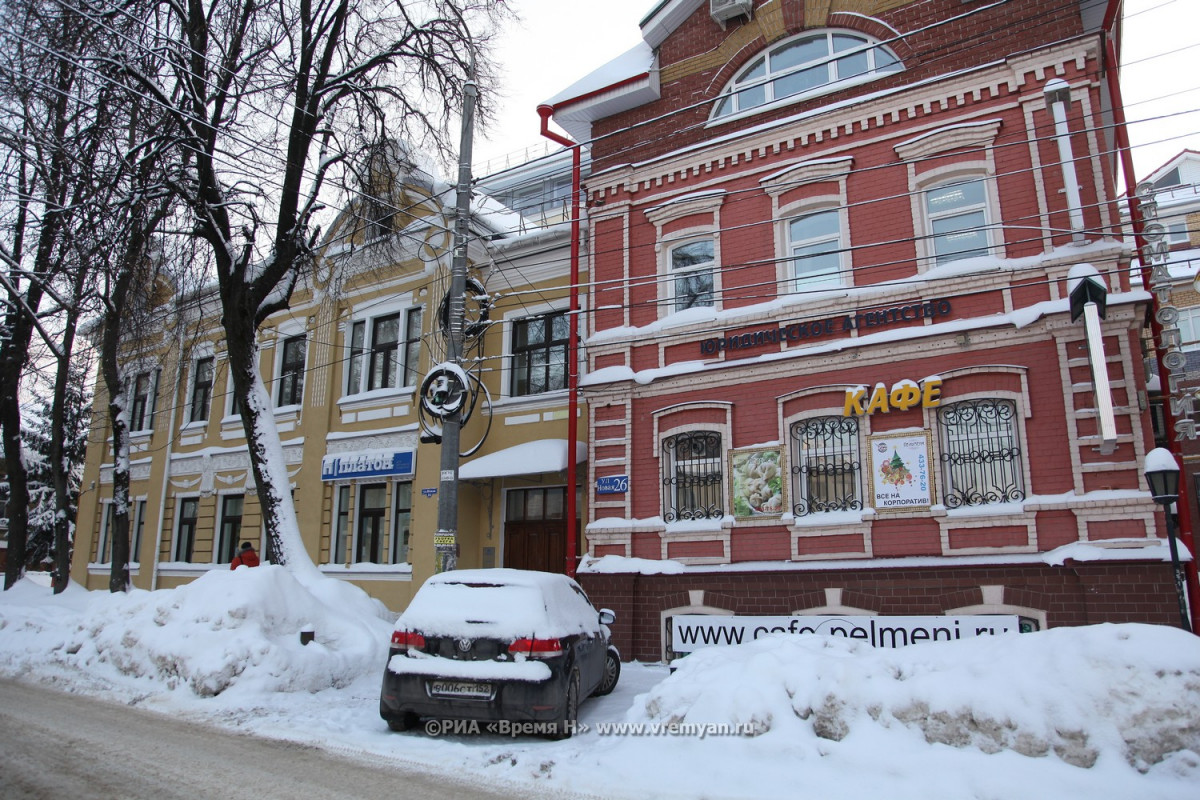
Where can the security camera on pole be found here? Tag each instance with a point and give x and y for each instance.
(450, 386)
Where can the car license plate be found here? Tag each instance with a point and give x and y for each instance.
(460, 689)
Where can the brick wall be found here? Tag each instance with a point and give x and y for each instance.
(1077, 593)
(699, 58)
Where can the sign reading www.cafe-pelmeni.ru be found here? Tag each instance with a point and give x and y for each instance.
(692, 631)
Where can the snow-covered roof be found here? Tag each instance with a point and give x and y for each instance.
(1186, 161)
(626, 82)
(540, 455)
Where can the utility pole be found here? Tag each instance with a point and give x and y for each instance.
(445, 541)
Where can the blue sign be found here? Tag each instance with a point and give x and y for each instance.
(429, 492)
(370, 464)
(612, 484)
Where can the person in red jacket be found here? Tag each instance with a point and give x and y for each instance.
(246, 557)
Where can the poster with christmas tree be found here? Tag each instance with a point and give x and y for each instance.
(899, 465)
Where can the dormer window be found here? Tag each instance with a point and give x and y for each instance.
(813, 63)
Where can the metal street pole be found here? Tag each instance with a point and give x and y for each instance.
(1180, 591)
(445, 541)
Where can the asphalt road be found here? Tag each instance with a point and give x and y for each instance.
(64, 746)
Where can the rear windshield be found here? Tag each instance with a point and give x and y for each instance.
(474, 610)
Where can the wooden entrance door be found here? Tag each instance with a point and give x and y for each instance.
(535, 529)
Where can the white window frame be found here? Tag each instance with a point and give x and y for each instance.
(673, 274)
(1177, 231)
(404, 369)
(1189, 328)
(941, 179)
(796, 283)
(736, 98)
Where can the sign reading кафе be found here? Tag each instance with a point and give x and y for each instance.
(691, 632)
(800, 331)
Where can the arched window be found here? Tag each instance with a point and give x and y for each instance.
(808, 64)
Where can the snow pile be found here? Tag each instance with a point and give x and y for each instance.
(1128, 692)
(228, 630)
(1106, 712)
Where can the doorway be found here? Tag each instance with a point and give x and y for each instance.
(535, 529)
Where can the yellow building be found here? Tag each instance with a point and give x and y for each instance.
(344, 367)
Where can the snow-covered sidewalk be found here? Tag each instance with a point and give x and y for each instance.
(1110, 711)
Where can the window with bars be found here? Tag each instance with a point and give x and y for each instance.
(980, 453)
(693, 476)
(826, 465)
(291, 372)
(202, 384)
(539, 354)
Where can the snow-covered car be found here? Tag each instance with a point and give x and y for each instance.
(498, 644)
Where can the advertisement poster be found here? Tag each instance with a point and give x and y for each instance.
(757, 484)
(900, 471)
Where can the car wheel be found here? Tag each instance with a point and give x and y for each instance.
(612, 673)
(570, 716)
(402, 723)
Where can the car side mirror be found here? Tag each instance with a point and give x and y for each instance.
(607, 616)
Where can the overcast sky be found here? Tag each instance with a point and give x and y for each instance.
(559, 41)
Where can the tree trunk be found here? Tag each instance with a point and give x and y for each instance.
(271, 480)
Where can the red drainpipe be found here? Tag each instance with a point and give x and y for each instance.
(573, 339)
(1182, 506)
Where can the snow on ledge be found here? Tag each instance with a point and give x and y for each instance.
(612, 565)
(1106, 550)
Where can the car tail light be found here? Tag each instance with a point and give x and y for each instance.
(537, 648)
(403, 640)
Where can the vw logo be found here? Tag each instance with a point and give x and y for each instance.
(464, 644)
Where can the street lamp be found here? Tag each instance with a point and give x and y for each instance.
(1162, 474)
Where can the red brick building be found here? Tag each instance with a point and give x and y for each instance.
(831, 364)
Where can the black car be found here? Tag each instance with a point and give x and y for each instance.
(498, 644)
